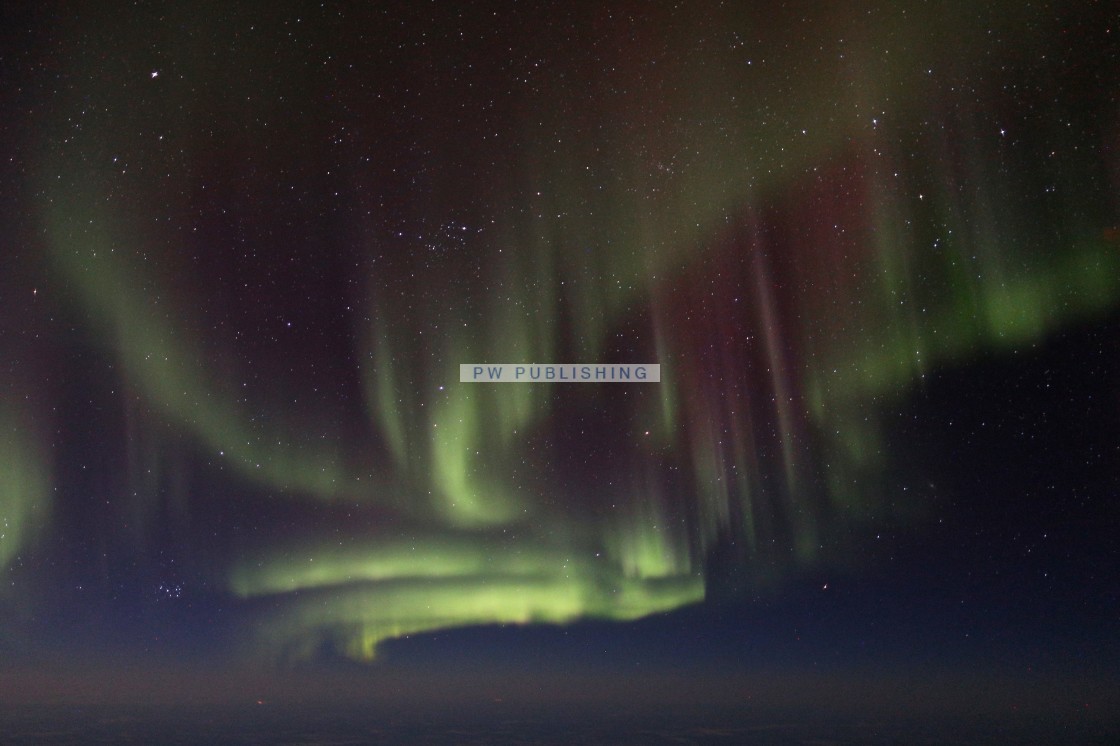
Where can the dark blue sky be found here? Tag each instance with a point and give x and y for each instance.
(876, 254)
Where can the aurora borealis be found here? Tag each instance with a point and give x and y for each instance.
(247, 248)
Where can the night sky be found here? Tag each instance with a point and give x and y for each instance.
(875, 248)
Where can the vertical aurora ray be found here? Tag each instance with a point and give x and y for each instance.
(25, 490)
(384, 397)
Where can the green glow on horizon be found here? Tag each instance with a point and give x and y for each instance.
(362, 617)
(370, 593)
